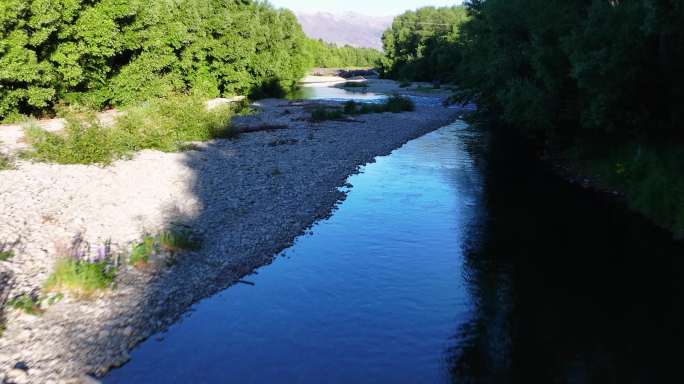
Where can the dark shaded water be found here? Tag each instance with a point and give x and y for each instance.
(450, 261)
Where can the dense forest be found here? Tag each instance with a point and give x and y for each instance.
(597, 81)
(421, 45)
(329, 55)
(100, 53)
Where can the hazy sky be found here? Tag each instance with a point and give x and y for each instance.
(367, 7)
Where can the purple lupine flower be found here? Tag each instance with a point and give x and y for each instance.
(102, 253)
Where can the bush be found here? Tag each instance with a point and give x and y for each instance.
(321, 113)
(80, 277)
(6, 255)
(5, 162)
(169, 241)
(114, 53)
(143, 251)
(650, 177)
(27, 304)
(165, 124)
(84, 141)
(179, 240)
(350, 107)
(396, 104)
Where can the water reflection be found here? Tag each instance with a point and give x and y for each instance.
(568, 287)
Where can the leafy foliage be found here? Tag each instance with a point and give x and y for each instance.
(117, 52)
(420, 44)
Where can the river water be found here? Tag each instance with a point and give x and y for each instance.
(454, 259)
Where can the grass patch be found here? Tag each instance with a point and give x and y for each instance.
(6, 162)
(26, 304)
(651, 178)
(6, 255)
(80, 278)
(143, 251)
(170, 242)
(321, 113)
(179, 240)
(83, 141)
(162, 124)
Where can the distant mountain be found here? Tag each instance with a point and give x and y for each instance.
(350, 28)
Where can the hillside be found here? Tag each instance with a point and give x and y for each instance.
(350, 28)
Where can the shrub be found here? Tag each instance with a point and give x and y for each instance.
(80, 277)
(26, 303)
(350, 107)
(650, 177)
(396, 104)
(161, 124)
(6, 255)
(5, 162)
(169, 241)
(321, 113)
(179, 240)
(144, 251)
(166, 124)
(84, 141)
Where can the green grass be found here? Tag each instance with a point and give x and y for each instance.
(6, 162)
(179, 240)
(321, 113)
(651, 178)
(394, 104)
(169, 241)
(84, 141)
(27, 304)
(143, 251)
(80, 278)
(163, 124)
(6, 255)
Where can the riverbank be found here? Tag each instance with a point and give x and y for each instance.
(248, 198)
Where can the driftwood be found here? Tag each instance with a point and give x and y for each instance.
(259, 128)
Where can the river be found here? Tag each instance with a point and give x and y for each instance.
(454, 259)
